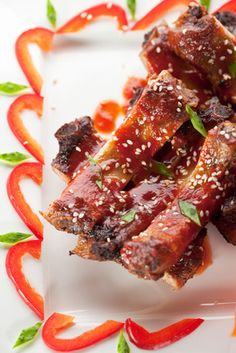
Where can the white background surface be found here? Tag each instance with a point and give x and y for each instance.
(16, 16)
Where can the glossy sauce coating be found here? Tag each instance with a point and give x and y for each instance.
(106, 115)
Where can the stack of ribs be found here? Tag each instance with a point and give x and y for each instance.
(118, 204)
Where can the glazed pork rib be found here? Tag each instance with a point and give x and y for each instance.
(225, 221)
(201, 40)
(157, 55)
(95, 192)
(158, 248)
(153, 193)
(77, 140)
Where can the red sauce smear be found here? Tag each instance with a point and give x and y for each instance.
(106, 115)
(207, 259)
(234, 329)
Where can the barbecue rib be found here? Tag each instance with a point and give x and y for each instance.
(117, 201)
(201, 40)
(225, 221)
(95, 192)
(158, 248)
(77, 140)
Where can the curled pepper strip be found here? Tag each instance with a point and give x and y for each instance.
(34, 172)
(158, 12)
(14, 270)
(43, 38)
(162, 338)
(32, 102)
(229, 6)
(58, 322)
(89, 15)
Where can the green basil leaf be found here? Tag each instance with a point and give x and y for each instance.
(190, 211)
(122, 344)
(196, 121)
(132, 7)
(28, 334)
(11, 89)
(13, 238)
(99, 183)
(232, 69)
(161, 168)
(129, 216)
(13, 158)
(92, 160)
(206, 3)
(51, 14)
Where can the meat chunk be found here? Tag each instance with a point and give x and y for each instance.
(158, 248)
(204, 42)
(213, 112)
(95, 192)
(157, 55)
(76, 140)
(228, 20)
(225, 221)
(187, 266)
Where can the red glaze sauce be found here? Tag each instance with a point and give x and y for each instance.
(207, 259)
(234, 329)
(106, 115)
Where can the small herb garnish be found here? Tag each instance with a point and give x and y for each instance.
(28, 334)
(161, 168)
(13, 158)
(129, 216)
(205, 3)
(99, 183)
(92, 160)
(11, 89)
(51, 14)
(190, 211)
(196, 121)
(132, 8)
(232, 69)
(122, 346)
(13, 238)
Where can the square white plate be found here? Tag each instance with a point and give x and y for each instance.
(82, 70)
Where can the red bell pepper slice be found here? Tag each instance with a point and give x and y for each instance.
(158, 12)
(168, 335)
(89, 15)
(43, 38)
(14, 270)
(32, 102)
(229, 6)
(58, 322)
(34, 172)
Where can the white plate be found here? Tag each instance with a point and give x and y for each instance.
(95, 292)
(82, 70)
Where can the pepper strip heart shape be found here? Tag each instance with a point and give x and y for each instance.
(32, 102)
(158, 12)
(43, 38)
(14, 270)
(89, 15)
(58, 322)
(143, 339)
(228, 6)
(34, 172)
